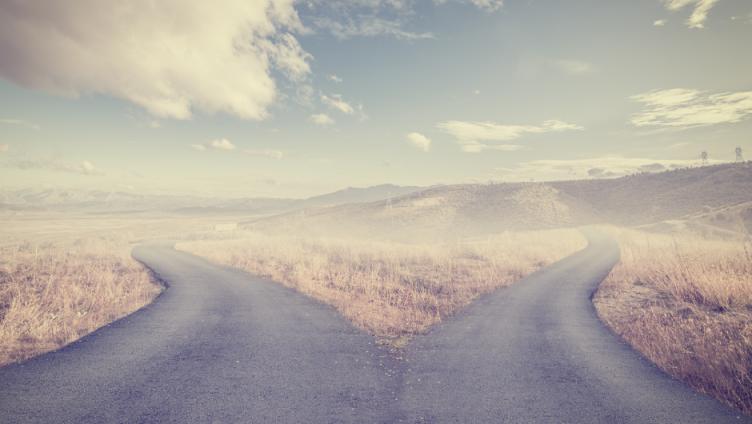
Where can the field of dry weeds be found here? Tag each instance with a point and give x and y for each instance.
(64, 276)
(685, 303)
(389, 289)
(53, 294)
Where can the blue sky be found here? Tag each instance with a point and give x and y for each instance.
(282, 98)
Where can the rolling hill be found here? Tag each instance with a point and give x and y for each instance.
(98, 201)
(474, 210)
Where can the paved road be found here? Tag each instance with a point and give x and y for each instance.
(220, 346)
(537, 353)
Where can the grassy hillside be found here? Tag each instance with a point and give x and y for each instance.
(471, 210)
(648, 198)
(439, 213)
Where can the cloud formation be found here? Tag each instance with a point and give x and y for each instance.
(171, 57)
(321, 119)
(216, 144)
(419, 140)
(267, 153)
(4, 148)
(373, 18)
(488, 5)
(593, 167)
(474, 137)
(19, 122)
(370, 26)
(83, 168)
(222, 144)
(335, 101)
(687, 108)
(699, 13)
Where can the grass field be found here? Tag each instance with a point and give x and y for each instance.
(392, 290)
(53, 294)
(63, 276)
(685, 303)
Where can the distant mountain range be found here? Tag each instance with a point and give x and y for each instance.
(471, 209)
(697, 197)
(97, 201)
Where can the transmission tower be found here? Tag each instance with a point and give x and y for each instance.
(704, 157)
(739, 155)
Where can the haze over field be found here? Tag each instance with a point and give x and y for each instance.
(375, 211)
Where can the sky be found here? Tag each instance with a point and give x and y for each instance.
(284, 98)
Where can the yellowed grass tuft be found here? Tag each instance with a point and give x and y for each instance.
(685, 302)
(393, 290)
(53, 294)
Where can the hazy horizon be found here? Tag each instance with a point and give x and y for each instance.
(289, 99)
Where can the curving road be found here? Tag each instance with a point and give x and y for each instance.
(218, 346)
(221, 346)
(537, 353)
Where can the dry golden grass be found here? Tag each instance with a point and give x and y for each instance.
(53, 294)
(63, 276)
(686, 304)
(389, 289)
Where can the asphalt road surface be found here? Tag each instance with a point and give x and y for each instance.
(221, 346)
(537, 353)
(218, 346)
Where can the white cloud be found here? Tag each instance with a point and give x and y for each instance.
(419, 140)
(4, 148)
(171, 57)
(84, 168)
(216, 144)
(659, 22)
(699, 14)
(221, 144)
(594, 167)
(321, 119)
(334, 78)
(488, 5)
(88, 167)
(473, 137)
(369, 26)
(372, 18)
(335, 101)
(267, 153)
(687, 108)
(19, 122)
(745, 19)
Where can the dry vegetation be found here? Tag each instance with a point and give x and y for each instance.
(392, 290)
(53, 294)
(64, 276)
(685, 302)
